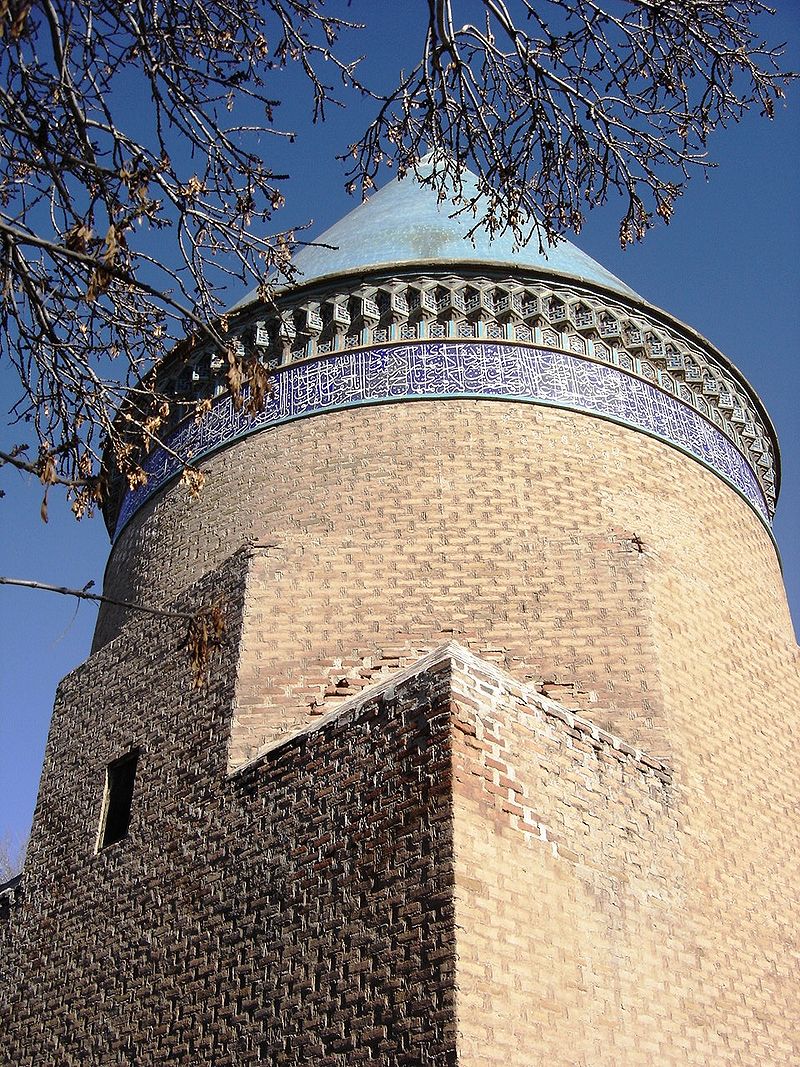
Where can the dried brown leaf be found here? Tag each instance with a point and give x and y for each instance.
(99, 281)
(234, 376)
(18, 24)
(194, 480)
(77, 238)
(47, 469)
(204, 637)
(260, 385)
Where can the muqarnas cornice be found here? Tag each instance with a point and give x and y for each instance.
(475, 304)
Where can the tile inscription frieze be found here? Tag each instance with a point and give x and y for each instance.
(453, 369)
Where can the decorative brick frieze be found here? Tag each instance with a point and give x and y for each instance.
(586, 324)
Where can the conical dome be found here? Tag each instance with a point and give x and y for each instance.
(394, 303)
(405, 224)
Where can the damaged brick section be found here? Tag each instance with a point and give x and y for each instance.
(478, 691)
(582, 636)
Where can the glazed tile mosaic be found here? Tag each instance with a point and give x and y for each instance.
(452, 369)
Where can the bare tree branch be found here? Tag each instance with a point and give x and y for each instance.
(88, 189)
(204, 632)
(97, 598)
(557, 105)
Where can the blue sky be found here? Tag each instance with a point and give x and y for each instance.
(728, 265)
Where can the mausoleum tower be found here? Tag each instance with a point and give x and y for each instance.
(494, 765)
(465, 441)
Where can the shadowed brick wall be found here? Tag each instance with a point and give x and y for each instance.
(297, 912)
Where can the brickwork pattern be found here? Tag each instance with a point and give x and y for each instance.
(611, 908)
(400, 528)
(297, 912)
(449, 868)
(599, 919)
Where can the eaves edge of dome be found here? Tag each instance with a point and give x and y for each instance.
(568, 291)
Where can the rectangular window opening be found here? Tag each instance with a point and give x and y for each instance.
(115, 819)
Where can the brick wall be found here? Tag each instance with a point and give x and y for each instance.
(567, 549)
(614, 574)
(614, 909)
(297, 912)
(397, 528)
(449, 868)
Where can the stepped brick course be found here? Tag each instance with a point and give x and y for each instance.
(297, 912)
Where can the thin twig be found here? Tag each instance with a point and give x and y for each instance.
(82, 594)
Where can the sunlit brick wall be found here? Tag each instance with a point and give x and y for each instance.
(612, 909)
(567, 549)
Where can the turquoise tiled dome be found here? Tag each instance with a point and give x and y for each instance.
(403, 224)
(396, 304)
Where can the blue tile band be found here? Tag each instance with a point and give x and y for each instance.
(457, 370)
